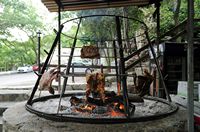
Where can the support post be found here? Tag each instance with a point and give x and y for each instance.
(38, 54)
(190, 66)
(70, 58)
(159, 86)
(122, 61)
(116, 69)
(158, 67)
(158, 25)
(69, 64)
(59, 47)
(73, 73)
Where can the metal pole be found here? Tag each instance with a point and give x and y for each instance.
(69, 64)
(45, 65)
(70, 57)
(158, 67)
(116, 69)
(38, 55)
(190, 63)
(59, 47)
(73, 73)
(158, 25)
(124, 83)
(158, 88)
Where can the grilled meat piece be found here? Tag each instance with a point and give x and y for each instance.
(47, 79)
(95, 85)
(90, 51)
(142, 84)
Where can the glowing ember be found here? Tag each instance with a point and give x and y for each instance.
(110, 110)
(121, 107)
(88, 107)
(114, 113)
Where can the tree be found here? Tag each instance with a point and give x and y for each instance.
(18, 16)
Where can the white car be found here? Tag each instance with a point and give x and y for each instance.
(24, 69)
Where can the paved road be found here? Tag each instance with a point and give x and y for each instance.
(28, 80)
(17, 80)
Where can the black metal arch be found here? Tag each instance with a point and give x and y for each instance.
(70, 118)
(102, 15)
(122, 61)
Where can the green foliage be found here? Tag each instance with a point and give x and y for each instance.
(19, 16)
(103, 28)
(166, 17)
(12, 54)
(169, 10)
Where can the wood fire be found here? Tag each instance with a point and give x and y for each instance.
(100, 101)
(84, 107)
(114, 113)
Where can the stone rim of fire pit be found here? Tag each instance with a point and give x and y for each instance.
(70, 118)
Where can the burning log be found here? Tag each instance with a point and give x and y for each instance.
(114, 99)
(47, 78)
(110, 97)
(95, 85)
(86, 108)
(135, 98)
(110, 94)
(113, 103)
(76, 101)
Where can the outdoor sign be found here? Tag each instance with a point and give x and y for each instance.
(182, 89)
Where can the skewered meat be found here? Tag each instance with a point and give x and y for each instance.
(90, 52)
(47, 78)
(142, 84)
(95, 85)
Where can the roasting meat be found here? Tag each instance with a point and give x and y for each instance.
(47, 79)
(95, 85)
(142, 84)
(90, 52)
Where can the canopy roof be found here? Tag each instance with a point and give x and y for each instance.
(72, 5)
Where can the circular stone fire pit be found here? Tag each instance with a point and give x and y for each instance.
(101, 113)
(152, 115)
(152, 108)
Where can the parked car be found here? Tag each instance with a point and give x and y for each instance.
(82, 62)
(24, 69)
(78, 69)
(35, 67)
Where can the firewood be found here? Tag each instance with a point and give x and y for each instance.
(76, 101)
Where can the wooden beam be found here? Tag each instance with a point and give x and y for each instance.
(72, 5)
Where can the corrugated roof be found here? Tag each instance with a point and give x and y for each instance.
(72, 5)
